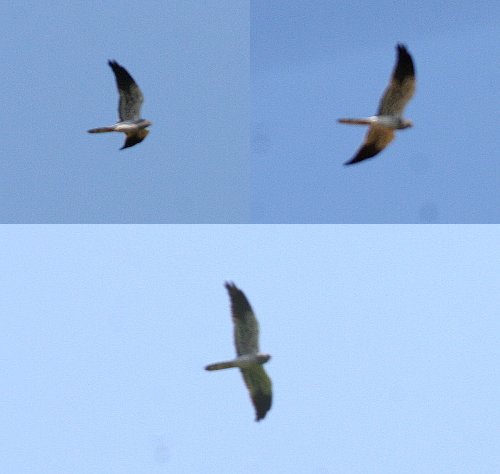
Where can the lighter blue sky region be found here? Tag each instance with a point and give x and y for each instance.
(315, 62)
(384, 343)
(190, 58)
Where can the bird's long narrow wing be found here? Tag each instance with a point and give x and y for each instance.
(401, 86)
(260, 387)
(246, 327)
(376, 139)
(131, 98)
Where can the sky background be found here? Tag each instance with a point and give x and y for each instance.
(314, 62)
(191, 60)
(384, 342)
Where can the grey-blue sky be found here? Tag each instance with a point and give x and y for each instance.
(384, 342)
(191, 60)
(314, 63)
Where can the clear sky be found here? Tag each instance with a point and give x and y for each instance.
(384, 342)
(190, 58)
(313, 62)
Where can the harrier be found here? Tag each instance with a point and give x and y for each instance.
(129, 109)
(249, 360)
(389, 115)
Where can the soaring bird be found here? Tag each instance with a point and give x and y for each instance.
(389, 115)
(129, 109)
(250, 360)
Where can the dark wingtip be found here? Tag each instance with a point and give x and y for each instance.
(404, 66)
(262, 407)
(131, 141)
(364, 153)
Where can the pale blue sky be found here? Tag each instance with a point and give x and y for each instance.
(317, 61)
(384, 342)
(190, 58)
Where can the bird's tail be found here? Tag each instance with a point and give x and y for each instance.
(361, 121)
(101, 130)
(221, 365)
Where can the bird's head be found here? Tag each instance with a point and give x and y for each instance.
(405, 123)
(262, 358)
(145, 123)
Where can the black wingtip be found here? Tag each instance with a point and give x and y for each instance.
(239, 302)
(132, 140)
(262, 407)
(404, 65)
(364, 153)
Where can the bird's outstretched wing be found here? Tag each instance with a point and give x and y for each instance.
(133, 138)
(376, 139)
(246, 327)
(401, 86)
(131, 98)
(260, 388)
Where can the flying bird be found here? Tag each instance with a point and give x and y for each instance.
(250, 359)
(389, 115)
(129, 109)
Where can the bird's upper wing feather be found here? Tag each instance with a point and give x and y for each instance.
(246, 327)
(260, 387)
(131, 98)
(401, 87)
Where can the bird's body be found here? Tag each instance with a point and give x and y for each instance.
(250, 360)
(389, 115)
(129, 109)
(388, 121)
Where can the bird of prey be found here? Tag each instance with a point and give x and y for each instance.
(129, 109)
(389, 115)
(250, 359)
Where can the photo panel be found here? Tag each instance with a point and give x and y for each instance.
(317, 62)
(378, 348)
(190, 60)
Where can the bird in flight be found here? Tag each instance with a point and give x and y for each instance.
(250, 360)
(129, 109)
(389, 115)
